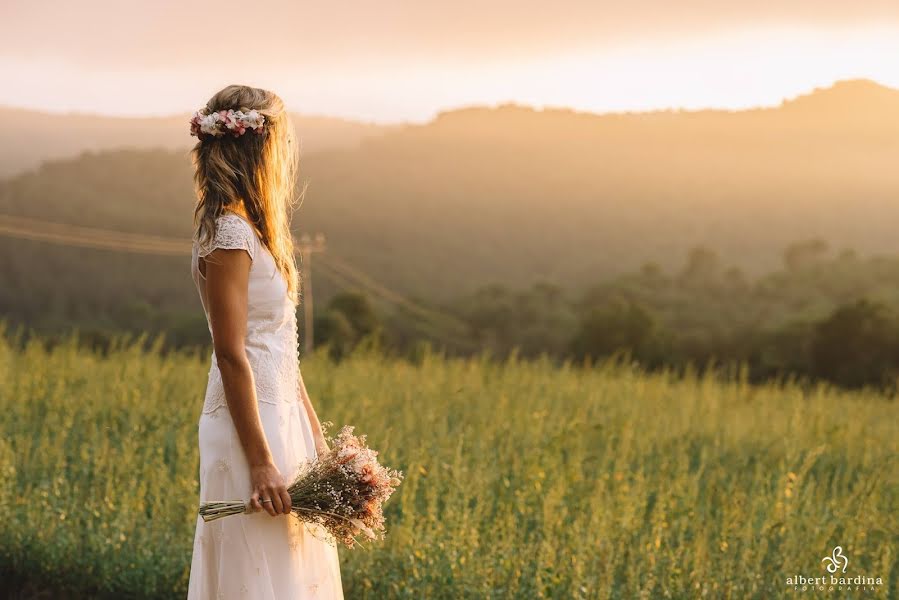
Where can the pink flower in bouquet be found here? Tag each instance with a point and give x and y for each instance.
(366, 473)
(364, 460)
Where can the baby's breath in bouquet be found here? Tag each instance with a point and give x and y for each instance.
(343, 491)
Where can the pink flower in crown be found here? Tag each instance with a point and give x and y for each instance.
(232, 119)
(195, 123)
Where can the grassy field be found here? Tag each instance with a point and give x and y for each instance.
(524, 480)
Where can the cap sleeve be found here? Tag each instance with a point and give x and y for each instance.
(231, 233)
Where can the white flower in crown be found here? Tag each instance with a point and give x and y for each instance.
(254, 119)
(209, 124)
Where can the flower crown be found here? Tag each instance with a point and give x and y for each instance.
(235, 122)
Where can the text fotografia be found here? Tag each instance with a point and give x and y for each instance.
(858, 583)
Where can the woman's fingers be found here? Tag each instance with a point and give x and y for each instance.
(269, 506)
(277, 504)
(254, 502)
(260, 497)
(270, 493)
(285, 500)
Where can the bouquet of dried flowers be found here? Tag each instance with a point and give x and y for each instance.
(343, 491)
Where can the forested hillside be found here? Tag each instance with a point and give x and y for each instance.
(513, 197)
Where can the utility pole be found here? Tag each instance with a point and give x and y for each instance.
(307, 247)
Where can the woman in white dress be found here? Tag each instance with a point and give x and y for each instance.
(258, 425)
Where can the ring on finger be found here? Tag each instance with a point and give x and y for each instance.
(267, 500)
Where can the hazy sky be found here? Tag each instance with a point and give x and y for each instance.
(389, 60)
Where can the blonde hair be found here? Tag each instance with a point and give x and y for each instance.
(257, 172)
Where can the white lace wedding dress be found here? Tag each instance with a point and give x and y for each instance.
(256, 556)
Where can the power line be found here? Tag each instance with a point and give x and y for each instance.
(336, 278)
(86, 237)
(104, 239)
(378, 289)
(426, 325)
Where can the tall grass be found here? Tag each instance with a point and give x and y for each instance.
(524, 480)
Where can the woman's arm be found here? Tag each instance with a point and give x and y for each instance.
(318, 435)
(227, 277)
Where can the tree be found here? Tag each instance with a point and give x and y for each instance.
(335, 330)
(802, 254)
(857, 345)
(618, 327)
(702, 265)
(358, 311)
(348, 319)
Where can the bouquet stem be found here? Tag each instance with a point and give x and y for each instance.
(210, 511)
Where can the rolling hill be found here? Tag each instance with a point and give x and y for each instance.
(507, 195)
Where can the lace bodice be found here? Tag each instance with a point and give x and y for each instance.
(271, 340)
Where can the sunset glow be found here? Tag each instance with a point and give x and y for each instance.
(644, 66)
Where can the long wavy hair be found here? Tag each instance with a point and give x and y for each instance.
(256, 172)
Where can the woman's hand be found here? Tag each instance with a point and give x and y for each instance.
(268, 484)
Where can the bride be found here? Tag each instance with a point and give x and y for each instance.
(257, 425)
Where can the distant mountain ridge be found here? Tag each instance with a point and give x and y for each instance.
(31, 137)
(845, 97)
